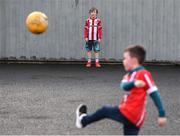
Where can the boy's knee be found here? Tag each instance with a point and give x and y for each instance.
(105, 108)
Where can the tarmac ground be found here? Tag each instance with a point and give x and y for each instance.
(42, 99)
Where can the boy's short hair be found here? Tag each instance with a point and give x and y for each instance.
(93, 9)
(138, 52)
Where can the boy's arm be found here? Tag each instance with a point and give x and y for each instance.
(86, 30)
(100, 29)
(128, 85)
(125, 85)
(154, 94)
(162, 120)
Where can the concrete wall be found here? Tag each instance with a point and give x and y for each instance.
(153, 23)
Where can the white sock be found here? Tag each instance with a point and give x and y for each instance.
(89, 59)
(97, 60)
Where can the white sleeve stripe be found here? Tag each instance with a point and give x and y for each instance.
(148, 80)
(152, 89)
(132, 76)
(124, 80)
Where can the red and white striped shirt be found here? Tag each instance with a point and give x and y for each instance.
(93, 29)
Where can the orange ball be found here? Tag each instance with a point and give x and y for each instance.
(37, 22)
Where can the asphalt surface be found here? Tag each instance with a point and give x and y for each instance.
(41, 99)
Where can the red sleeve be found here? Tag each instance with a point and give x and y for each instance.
(150, 84)
(86, 27)
(100, 29)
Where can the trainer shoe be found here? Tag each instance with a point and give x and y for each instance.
(88, 64)
(81, 111)
(98, 65)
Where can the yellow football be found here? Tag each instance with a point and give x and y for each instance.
(37, 22)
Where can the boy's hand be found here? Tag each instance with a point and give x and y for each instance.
(162, 121)
(139, 83)
(99, 40)
(86, 39)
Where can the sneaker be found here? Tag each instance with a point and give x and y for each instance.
(81, 111)
(88, 64)
(98, 65)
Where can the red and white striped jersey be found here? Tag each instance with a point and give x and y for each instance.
(93, 29)
(134, 103)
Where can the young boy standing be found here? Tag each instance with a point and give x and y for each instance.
(93, 36)
(131, 112)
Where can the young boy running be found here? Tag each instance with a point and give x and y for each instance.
(131, 112)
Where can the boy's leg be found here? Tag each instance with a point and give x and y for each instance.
(130, 129)
(96, 47)
(110, 112)
(89, 54)
(97, 59)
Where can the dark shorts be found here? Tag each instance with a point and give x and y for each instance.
(92, 45)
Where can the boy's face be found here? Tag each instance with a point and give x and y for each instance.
(128, 61)
(93, 14)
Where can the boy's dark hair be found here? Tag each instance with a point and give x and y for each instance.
(93, 9)
(138, 52)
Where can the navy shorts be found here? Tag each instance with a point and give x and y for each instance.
(92, 45)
